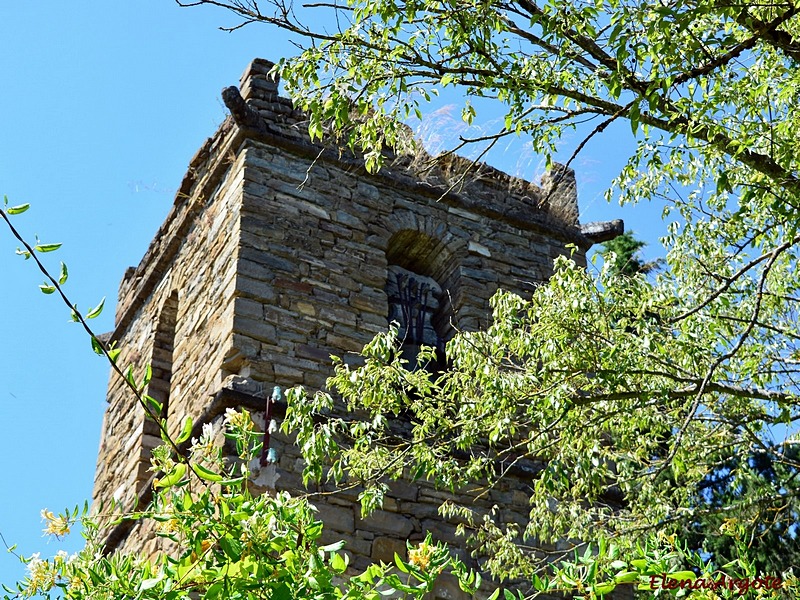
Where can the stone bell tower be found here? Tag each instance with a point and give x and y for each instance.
(278, 253)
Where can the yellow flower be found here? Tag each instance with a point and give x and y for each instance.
(41, 576)
(166, 521)
(170, 526)
(205, 447)
(728, 526)
(76, 582)
(239, 420)
(421, 556)
(56, 525)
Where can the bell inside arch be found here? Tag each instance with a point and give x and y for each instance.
(415, 301)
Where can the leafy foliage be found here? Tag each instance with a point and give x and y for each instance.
(221, 541)
(613, 403)
(633, 393)
(225, 543)
(626, 260)
(772, 544)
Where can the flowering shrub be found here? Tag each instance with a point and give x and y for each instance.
(226, 543)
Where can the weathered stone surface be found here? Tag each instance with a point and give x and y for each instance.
(384, 549)
(320, 355)
(447, 588)
(403, 490)
(278, 253)
(387, 522)
(337, 518)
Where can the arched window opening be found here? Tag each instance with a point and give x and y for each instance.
(417, 301)
(414, 301)
(159, 387)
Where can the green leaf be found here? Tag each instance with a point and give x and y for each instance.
(232, 482)
(206, 474)
(335, 547)
(604, 588)
(639, 564)
(339, 563)
(46, 247)
(95, 312)
(214, 591)
(62, 279)
(148, 584)
(174, 477)
(539, 584)
(634, 116)
(626, 577)
(154, 405)
(186, 431)
(400, 564)
(681, 575)
(231, 547)
(97, 347)
(24, 253)
(163, 431)
(282, 592)
(47, 289)
(148, 375)
(18, 210)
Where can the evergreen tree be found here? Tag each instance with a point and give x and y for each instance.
(627, 260)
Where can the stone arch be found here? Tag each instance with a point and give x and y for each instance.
(423, 281)
(425, 245)
(161, 363)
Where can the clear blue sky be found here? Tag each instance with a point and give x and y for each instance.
(102, 104)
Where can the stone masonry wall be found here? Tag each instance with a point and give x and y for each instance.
(275, 256)
(318, 236)
(313, 261)
(189, 271)
(317, 239)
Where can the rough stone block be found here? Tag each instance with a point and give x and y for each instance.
(387, 522)
(384, 549)
(403, 490)
(316, 354)
(255, 328)
(447, 588)
(336, 517)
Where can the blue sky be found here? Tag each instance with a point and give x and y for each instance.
(102, 104)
